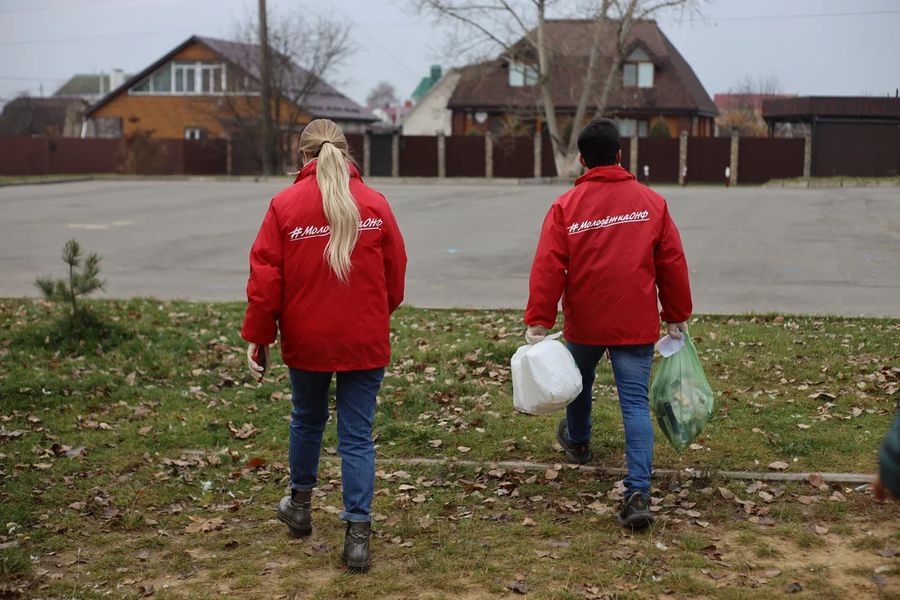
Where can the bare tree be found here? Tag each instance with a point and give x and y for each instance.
(382, 95)
(743, 113)
(304, 51)
(519, 29)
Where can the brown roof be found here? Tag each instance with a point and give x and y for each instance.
(322, 101)
(676, 87)
(853, 107)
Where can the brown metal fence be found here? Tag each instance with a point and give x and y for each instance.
(355, 142)
(418, 156)
(762, 159)
(661, 155)
(856, 149)
(850, 149)
(514, 157)
(47, 156)
(707, 159)
(548, 162)
(464, 155)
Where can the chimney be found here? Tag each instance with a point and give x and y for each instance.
(116, 78)
(435, 72)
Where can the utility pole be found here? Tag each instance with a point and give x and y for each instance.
(265, 90)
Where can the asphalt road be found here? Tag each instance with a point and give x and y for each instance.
(821, 251)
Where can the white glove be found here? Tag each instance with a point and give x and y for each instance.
(675, 329)
(256, 371)
(535, 333)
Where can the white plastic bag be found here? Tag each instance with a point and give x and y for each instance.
(545, 377)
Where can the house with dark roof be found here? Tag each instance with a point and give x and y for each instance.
(655, 85)
(856, 136)
(52, 116)
(206, 87)
(91, 86)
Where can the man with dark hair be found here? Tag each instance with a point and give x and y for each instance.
(609, 248)
(599, 145)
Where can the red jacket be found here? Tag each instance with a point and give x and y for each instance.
(607, 246)
(326, 324)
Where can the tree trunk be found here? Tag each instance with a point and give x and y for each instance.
(265, 90)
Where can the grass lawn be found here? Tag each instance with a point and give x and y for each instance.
(145, 462)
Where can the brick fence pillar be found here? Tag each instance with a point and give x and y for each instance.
(488, 156)
(733, 162)
(807, 156)
(682, 157)
(367, 154)
(633, 157)
(442, 155)
(395, 155)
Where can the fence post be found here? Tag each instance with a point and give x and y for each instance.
(538, 151)
(682, 156)
(633, 156)
(442, 155)
(488, 155)
(807, 155)
(367, 154)
(395, 155)
(735, 154)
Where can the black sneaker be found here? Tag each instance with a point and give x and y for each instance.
(636, 512)
(577, 454)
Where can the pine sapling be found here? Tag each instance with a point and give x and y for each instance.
(81, 282)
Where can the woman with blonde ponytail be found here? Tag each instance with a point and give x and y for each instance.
(327, 270)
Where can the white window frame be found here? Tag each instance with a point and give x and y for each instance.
(194, 133)
(644, 67)
(178, 66)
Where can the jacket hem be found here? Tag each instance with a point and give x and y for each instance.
(642, 341)
(320, 368)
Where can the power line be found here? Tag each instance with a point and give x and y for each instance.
(16, 78)
(795, 16)
(94, 37)
(53, 7)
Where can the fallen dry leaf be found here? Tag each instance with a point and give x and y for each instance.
(204, 525)
(529, 522)
(246, 430)
(778, 465)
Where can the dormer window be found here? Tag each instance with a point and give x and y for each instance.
(521, 74)
(183, 78)
(637, 70)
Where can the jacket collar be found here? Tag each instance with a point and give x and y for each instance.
(606, 173)
(309, 169)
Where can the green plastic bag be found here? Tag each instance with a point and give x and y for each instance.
(680, 396)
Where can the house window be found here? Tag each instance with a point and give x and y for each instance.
(632, 127)
(638, 70)
(194, 133)
(521, 74)
(184, 78)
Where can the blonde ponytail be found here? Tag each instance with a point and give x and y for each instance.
(325, 140)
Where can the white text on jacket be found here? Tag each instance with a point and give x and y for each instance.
(312, 231)
(635, 217)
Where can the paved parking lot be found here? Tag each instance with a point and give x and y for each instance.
(824, 251)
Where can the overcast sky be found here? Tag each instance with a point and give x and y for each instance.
(824, 47)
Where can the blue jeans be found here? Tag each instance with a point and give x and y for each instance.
(631, 368)
(356, 391)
